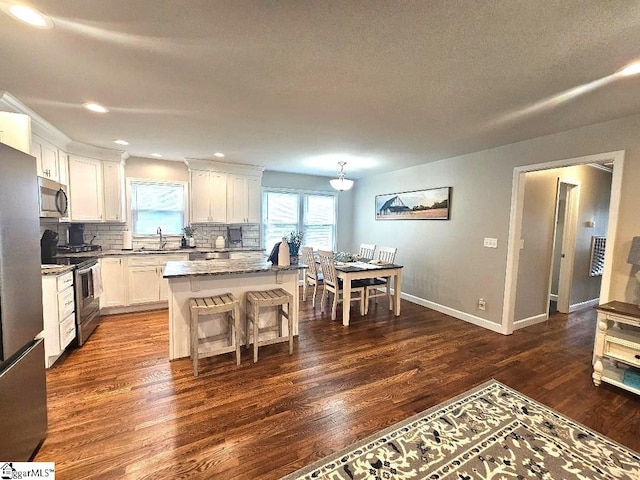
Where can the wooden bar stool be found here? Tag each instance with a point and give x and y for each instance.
(226, 304)
(269, 298)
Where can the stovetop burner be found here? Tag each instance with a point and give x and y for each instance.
(86, 247)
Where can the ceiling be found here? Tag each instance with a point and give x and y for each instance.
(292, 85)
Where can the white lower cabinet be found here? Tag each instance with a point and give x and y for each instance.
(144, 285)
(135, 279)
(113, 282)
(58, 308)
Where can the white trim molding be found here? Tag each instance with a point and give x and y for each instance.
(452, 312)
(515, 225)
(574, 307)
(533, 320)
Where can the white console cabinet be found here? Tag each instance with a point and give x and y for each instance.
(617, 344)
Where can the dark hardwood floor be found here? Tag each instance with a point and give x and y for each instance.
(119, 409)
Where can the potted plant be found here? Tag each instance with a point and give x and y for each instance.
(294, 239)
(189, 231)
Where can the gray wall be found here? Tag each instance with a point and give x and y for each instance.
(314, 183)
(537, 233)
(445, 262)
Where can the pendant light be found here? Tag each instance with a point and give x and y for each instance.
(341, 184)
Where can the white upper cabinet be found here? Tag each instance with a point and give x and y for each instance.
(85, 175)
(46, 158)
(237, 199)
(208, 197)
(113, 189)
(224, 192)
(254, 199)
(15, 131)
(63, 167)
(243, 199)
(96, 190)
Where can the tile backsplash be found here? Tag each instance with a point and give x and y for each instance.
(110, 235)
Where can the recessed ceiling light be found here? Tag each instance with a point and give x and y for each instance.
(157, 155)
(121, 142)
(95, 107)
(219, 155)
(631, 69)
(30, 16)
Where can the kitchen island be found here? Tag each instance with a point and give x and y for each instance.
(204, 278)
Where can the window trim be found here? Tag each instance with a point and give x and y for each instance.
(301, 193)
(155, 181)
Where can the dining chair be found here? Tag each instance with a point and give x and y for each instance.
(334, 285)
(312, 275)
(367, 251)
(385, 255)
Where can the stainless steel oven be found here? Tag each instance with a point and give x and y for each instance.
(87, 302)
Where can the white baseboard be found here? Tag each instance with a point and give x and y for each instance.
(582, 305)
(526, 322)
(481, 322)
(133, 308)
(553, 297)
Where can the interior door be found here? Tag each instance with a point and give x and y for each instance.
(568, 245)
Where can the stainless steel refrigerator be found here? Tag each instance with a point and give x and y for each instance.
(23, 396)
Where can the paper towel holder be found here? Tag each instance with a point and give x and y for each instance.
(127, 243)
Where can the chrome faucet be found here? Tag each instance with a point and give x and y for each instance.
(162, 244)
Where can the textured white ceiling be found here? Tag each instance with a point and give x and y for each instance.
(277, 83)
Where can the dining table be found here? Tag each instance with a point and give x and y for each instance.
(358, 270)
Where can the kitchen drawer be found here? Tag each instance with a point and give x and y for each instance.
(65, 281)
(66, 303)
(623, 320)
(67, 331)
(155, 260)
(623, 347)
(143, 261)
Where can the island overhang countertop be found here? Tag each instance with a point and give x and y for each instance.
(223, 267)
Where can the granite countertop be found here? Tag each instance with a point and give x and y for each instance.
(108, 253)
(223, 267)
(47, 270)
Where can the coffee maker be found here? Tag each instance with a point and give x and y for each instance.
(48, 246)
(76, 234)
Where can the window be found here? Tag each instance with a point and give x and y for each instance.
(314, 214)
(157, 204)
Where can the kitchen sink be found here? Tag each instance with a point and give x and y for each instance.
(208, 255)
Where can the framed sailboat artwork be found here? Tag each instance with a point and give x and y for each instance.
(430, 204)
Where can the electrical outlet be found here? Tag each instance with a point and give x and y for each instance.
(490, 242)
(481, 304)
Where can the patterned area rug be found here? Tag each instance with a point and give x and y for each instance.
(490, 432)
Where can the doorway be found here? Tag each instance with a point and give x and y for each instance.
(515, 229)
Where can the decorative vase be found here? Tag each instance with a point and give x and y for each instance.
(294, 259)
(191, 241)
(283, 254)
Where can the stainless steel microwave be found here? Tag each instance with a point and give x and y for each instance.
(53, 200)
